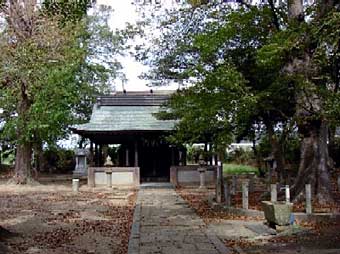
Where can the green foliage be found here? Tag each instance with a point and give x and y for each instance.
(241, 156)
(233, 91)
(59, 159)
(54, 69)
(209, 110)
(239, 169)
(7, 157)
(69, 10)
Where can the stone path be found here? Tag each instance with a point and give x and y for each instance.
(164, 223)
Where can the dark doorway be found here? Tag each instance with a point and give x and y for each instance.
(154, 161)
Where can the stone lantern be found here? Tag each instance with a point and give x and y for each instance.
(81, 164)
(202, 169)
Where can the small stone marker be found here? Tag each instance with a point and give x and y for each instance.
(108, 179)
(201, 170)
(273, 193)
(227, 193)
(75, 185)
(219, 182)
(287, 194)
(339, 183)
(308, 199)
(245, 192)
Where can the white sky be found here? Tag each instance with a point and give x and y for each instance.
(125, 12)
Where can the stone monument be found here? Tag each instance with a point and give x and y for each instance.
(81, 164)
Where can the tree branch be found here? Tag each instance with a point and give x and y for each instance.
(274, 14)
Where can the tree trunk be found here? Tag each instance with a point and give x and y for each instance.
(312, 127)
(313, 167)
(277, 152)
(23, 156)
(23, 163)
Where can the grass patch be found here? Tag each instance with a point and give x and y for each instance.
(238, 169)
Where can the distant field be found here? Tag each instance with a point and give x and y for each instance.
(238, 169)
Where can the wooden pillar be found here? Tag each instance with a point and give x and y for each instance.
(180, 154)
(127, 157)
(91, 160)
(184, 159)
(96, 155)
(172, 156)
(136, 154)
(100, 155)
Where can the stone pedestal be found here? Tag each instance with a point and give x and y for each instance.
(277, 213)
(202, 171)
(109, 179)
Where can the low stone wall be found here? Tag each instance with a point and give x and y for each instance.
(127, 176)
(188, 175)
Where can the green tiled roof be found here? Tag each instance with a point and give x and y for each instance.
(124, 118)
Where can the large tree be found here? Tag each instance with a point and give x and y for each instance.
(205, 51)
(316, 51)
(290, 65)
(47, 72)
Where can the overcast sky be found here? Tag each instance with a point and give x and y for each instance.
(125, 12)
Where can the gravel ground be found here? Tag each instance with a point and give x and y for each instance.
(49, 218)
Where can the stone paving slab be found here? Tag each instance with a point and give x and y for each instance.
(165, 224)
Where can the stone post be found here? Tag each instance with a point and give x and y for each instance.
(287, 194)
(202, 170)
(339, 183)
(227, 198)
(308, 199)
(219, 182)
(109, 179)
(245, 193)
(91, 177)
(75, 185)
(234, 185)
(273, 193)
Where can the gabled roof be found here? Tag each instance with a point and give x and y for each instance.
(127, 112)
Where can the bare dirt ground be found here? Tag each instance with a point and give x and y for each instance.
(49, 218)
(310, 238)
